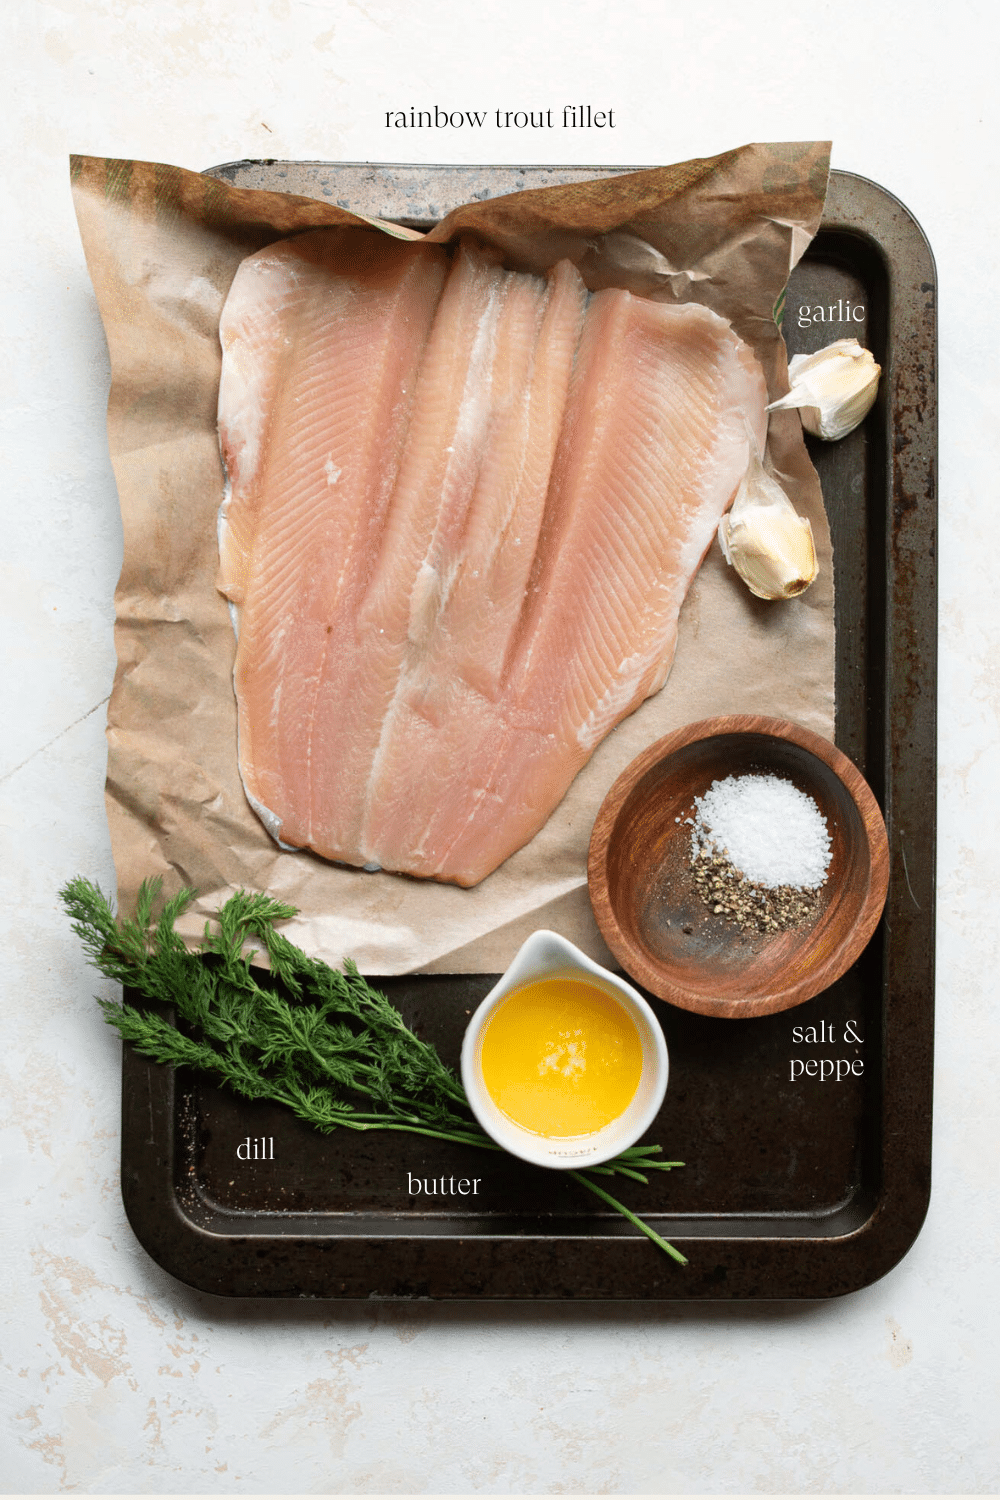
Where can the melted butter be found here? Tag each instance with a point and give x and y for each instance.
(560, 1057)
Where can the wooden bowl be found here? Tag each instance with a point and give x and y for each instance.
(643, 892)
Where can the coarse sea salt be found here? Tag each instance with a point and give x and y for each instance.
(773, 833)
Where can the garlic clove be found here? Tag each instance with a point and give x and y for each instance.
(834, 388)
(764, 538)
(776, 560)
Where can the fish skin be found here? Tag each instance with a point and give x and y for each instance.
(503, 587)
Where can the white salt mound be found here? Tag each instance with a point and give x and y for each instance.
(773, 833)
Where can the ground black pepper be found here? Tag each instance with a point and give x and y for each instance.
(757, 908)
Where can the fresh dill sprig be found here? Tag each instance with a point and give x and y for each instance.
(322, 1042)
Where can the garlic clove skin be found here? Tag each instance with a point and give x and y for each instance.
(834, 389)
(765, 539)
(776, 560)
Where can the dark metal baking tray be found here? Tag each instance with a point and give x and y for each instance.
(806, 1188)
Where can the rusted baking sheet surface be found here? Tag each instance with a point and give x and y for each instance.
(795, 1187)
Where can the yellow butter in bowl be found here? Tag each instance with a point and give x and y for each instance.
(564, 1063)
(560, 1057)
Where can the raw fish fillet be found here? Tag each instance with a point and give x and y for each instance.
(466, 505)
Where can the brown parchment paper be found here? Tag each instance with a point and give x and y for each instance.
(162, 247)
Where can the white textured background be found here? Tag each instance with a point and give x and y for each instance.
(116, 1378)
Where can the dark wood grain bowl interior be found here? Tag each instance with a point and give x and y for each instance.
(643, 892)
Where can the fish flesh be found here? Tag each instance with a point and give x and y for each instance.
(464, 507)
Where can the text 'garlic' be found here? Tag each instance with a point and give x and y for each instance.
(765, 539)
(834, 388)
